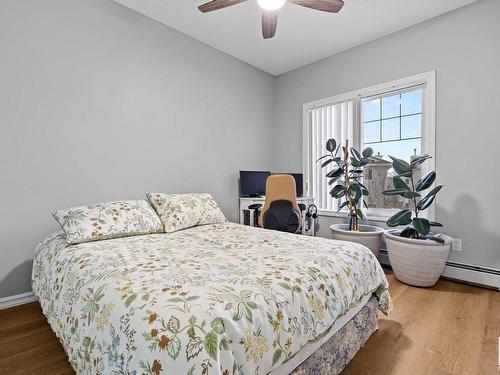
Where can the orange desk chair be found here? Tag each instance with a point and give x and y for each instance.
(281, 211)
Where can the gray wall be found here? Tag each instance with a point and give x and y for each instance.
(464, 47)
(100, 103)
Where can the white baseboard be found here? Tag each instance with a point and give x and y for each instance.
(18, 299)
(469, 273)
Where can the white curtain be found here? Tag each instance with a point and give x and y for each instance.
(331, 121)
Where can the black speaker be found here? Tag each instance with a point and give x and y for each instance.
(246, 217)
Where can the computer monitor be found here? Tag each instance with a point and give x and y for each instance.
(299, 182)
(253, 183)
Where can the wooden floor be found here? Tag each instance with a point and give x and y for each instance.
(451, 328)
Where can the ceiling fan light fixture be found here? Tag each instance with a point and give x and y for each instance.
(270, 10)
(271, 4)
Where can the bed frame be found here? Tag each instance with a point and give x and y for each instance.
(334, 355)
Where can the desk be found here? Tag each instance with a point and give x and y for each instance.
(246, 215)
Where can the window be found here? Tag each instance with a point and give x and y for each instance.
(392, 124)
(394, 119)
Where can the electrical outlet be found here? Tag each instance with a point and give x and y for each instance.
(456, 244)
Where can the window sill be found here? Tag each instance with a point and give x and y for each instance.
(379, 218)
(343, 215)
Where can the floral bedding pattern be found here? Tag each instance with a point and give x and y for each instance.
(181, 211)
(108, 220)
(214, 299)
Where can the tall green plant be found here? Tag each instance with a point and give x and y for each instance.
(417, 227)
(346, 178)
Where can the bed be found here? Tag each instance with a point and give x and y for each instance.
(212, 299)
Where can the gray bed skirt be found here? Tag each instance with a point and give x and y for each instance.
(334, 355)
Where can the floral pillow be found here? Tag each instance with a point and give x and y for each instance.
(108, 220)
(181, 211)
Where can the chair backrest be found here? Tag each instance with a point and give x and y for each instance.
(280, 187)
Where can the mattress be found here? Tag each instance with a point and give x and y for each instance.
(218, 299)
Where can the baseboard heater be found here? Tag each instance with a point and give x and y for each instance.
(484, 276)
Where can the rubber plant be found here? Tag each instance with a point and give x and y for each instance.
(418, 227)
(346, 178)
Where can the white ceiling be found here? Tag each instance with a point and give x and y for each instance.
(303, 35)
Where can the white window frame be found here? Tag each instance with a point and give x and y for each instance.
(427, 81)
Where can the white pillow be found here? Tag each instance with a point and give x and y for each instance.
(108, 220)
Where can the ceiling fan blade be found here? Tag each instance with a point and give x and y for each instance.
(218, 4)
(269, 23)
(332, 6)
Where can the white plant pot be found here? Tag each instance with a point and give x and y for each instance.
(368, 235)
(417, 262)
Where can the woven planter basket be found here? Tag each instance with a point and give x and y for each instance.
(417, 262)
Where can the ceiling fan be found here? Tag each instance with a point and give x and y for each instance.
(270, 10)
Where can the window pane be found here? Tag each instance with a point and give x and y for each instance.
(378, 177)
(399, 149)
(390, 106)
(371, 131)
(411, 102)
(399, 136)
(390, 129)
(371, 110)
(411, 126)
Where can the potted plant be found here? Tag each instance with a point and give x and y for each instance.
(416, 254)
(345, 179)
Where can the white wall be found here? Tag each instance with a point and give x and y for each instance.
(100, 103)
(464, 47)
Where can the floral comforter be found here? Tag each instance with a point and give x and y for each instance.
(214, 299)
